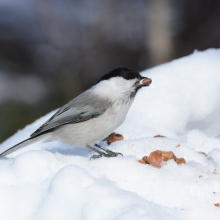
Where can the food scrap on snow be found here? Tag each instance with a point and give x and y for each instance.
(114, 137)
(157, 157)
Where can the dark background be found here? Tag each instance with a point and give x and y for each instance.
(50, 50)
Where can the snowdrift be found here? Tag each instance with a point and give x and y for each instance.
(58, 181)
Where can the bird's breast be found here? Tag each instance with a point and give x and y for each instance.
(119, 111)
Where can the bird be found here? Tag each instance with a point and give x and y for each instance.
(93, 115)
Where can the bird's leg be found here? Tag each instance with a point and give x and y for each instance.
(101, 154)
(109, 152)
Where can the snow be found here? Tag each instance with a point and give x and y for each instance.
(58, 181)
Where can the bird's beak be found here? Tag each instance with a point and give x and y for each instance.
(144, 81)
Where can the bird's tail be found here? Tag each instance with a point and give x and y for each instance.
(21, 145)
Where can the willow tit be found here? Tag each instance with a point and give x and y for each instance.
(93, 115)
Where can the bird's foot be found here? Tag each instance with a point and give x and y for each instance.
(109, 154)
(96, 156)
(113, 154)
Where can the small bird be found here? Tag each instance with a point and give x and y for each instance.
(93, 115)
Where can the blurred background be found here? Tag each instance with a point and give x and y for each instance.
(50, 50)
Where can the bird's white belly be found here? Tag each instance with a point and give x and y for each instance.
(93, 130)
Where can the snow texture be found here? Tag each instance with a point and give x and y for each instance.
(58, 181)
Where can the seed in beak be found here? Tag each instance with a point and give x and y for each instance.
(146, 81)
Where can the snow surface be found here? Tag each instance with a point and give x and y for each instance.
(58, 181)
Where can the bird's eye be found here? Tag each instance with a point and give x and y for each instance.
(127, 77)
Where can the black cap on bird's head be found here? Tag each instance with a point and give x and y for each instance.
(124, 72)
(128, 74)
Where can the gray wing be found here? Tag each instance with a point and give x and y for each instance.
(84, 107)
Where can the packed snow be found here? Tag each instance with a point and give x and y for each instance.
(58, 181)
